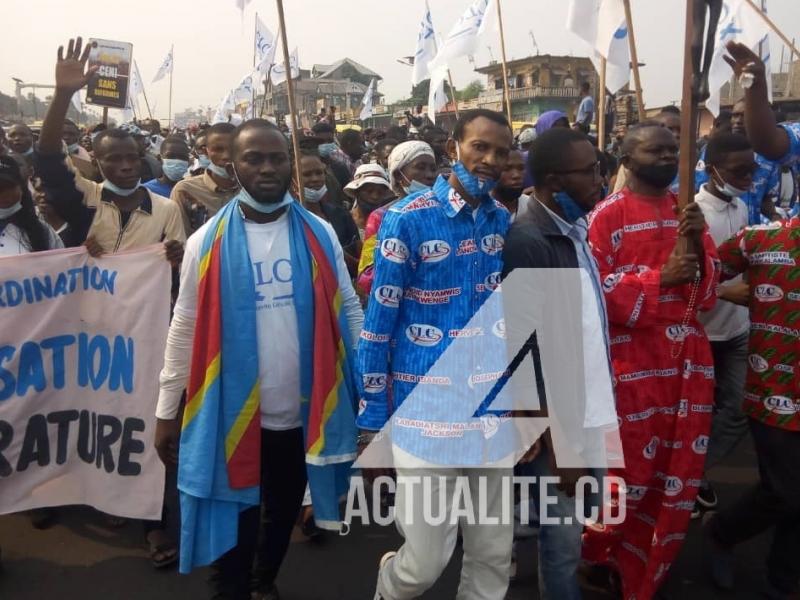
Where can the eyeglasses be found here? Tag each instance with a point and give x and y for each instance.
(593, 170)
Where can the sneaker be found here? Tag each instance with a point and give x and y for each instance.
(707, 497)
(384, 559)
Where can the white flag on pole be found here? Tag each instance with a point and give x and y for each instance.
(437, 98)
(601, 24)
(241, 4)
(266, 44)
(165, 68)
(227, 105)
(738, 23)
(136, 85)
(426, 48)
(278, 74)
(463, 37)
(366, 111)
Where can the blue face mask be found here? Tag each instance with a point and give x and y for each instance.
(121, 191)
(326, 150)
(315, 196)
(218, 171)
(262, 207)
(572, 210)
(73, 148)
(175, 168)
(472, 184)
(203, 161)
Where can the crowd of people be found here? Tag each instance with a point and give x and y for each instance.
(688, 317)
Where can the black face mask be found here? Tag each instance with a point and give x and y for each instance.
(659, 176)
(506, 194)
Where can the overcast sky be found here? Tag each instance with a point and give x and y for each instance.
(214, 44)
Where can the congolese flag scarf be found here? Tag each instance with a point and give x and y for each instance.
(220, 450)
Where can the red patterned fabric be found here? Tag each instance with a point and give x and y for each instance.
(770, 255)
(663, 403)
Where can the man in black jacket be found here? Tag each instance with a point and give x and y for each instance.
(552, 234)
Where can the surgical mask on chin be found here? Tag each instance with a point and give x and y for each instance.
(7, 213)
(73, 148)
(472, 184)
(218, 171)
(314, 196)
(262, 207)
(174, 168)
(119, 191)
(414, 186)
(659, 176)
(203, 161)
(571, 209)
(115, 189)
(727, 189)
(28, 152)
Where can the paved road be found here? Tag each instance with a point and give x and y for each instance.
(80, 558)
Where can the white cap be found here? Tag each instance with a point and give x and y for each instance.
(370, 173)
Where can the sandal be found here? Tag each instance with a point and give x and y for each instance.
(162, 554)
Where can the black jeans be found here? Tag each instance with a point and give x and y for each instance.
(773, 503)
(264, 531)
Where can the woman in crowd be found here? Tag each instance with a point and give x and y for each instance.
(412, 170)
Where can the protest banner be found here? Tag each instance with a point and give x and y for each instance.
(81, 347)
(109, 85)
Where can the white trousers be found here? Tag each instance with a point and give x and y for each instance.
(429, 544)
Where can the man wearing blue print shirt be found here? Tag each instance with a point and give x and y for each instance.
(438, 260)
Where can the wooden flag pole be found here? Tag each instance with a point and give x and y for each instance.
(772, 26)
(634, 59)
(292, 108)
(171, 70)
(506, 91)
(689, 116)
(601, 114)
(452, 92)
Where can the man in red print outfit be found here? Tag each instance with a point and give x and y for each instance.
(654, 283)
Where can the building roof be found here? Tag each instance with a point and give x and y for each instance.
(326, 71)
(539, 59)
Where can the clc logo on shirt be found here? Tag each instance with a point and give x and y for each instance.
(492, 244)
(424, 335)
(394, 250)
(389, 295)
(492, 281)
(374, 383)
(279, 273)
(673, 486)
(766, 292)
(434, 251)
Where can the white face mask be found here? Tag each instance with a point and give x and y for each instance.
(7, 213)
(727, 189)
(414, 186)
(218, 171)
(314, 196)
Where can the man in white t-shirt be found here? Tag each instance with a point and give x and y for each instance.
(262, 166)
(730, 166)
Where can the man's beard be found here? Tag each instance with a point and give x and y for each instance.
(507, 194)
(272, 198)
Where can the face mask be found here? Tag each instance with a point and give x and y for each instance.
(175, 168)
(572, 210)
(414, 186)
(28, 152)
(472, 184)
(659, 176)
(326, 150)
(7, 213)
(314, 196)
(727, 189)
(203, 161)
(218, 171)
(73, 148)
(262, 207)
(121, 191)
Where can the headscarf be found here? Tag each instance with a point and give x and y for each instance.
(547, 120)
(403, 154)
